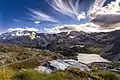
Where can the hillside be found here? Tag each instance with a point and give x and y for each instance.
(19, 63)
(18, 57)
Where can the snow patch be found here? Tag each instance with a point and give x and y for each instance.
(72, 37)
(90, 58)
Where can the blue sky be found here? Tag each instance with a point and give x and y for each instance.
(15, 14)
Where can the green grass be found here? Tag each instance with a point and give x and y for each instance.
(107, 75)
(94, 49)
(17, 56)
(11, 48)
(25, 64)
(33, 75)
(68, 74)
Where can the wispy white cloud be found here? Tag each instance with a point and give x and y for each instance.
(95, 7)
(16, 20)
(68, 7)
(37, 22)
(39, 16)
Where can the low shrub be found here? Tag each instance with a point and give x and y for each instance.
(11, 48)
(83, 74)
(24, 64)
(34, 75)
(25, 75)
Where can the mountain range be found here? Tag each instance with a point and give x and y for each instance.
(69, 44)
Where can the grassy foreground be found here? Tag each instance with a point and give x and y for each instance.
(68, 74)
(18, 63)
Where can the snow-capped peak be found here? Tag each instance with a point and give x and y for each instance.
(30, 32)
(23, 29)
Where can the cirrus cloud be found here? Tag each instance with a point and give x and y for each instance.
(40, 16)
(68, 7)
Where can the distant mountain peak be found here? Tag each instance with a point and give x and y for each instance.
(17, 32)
(23, 29)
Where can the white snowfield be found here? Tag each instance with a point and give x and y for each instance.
(90, 58)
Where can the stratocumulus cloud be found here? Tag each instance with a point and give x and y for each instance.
(88, 27)
(68, 7)
(108, 16)
(112, 9)
(40, 16)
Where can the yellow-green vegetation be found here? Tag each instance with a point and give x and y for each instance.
(12, 48)
(116, 64)
(105, 75)
(68, 74)
(18, 57)
(6, 74)
(83, 74)
(94, 49)
(24, 64)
